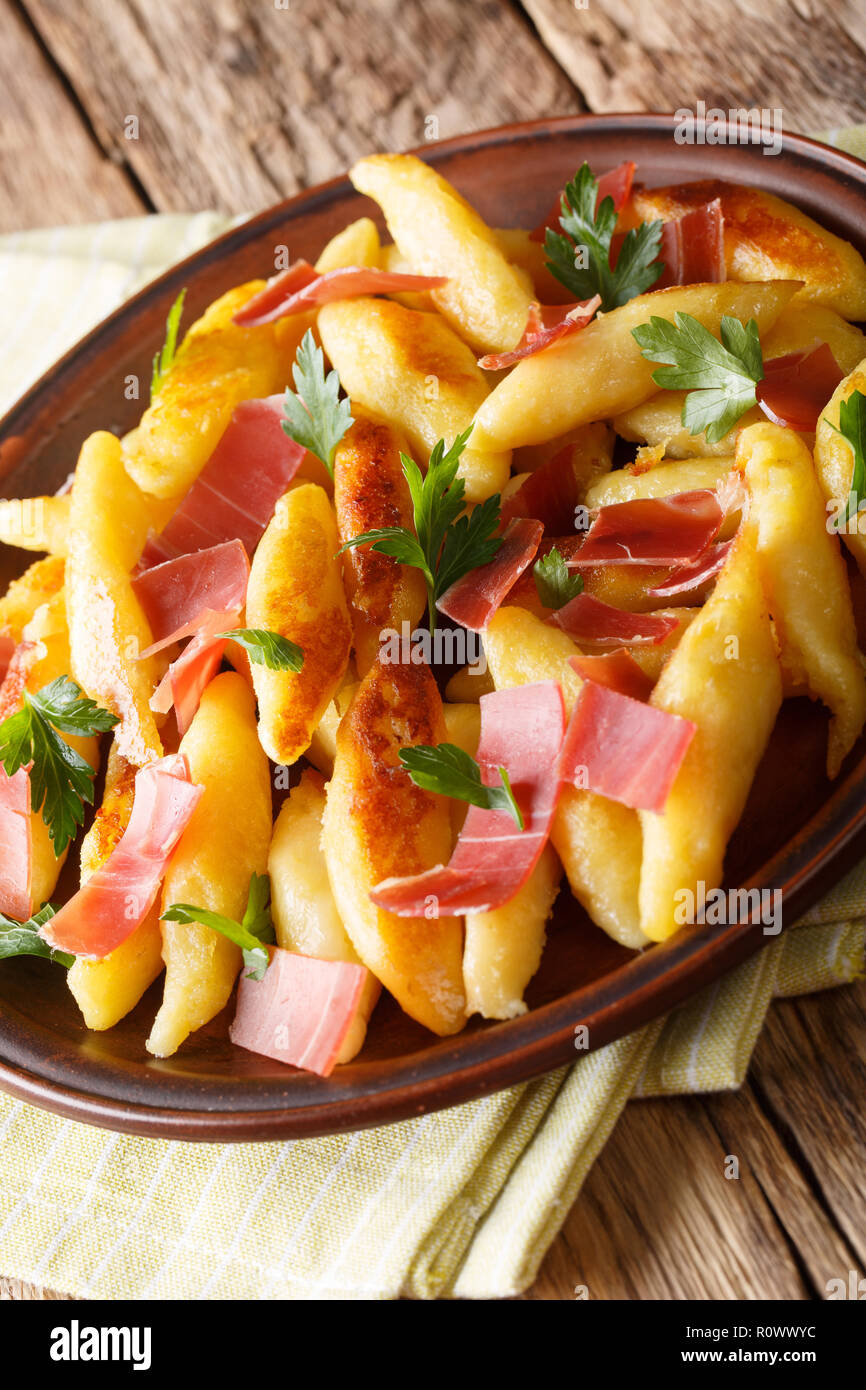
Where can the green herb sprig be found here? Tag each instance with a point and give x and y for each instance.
(61, 781)
(315, 416)
(447, 541)
(555, 584)
(450, 771)
(267, 648)
(720, 377)
(253, 933)
(23, 939)
(852, 428)
(587, 225)
(166, 355)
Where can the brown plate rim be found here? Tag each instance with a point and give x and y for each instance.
(501, 1054)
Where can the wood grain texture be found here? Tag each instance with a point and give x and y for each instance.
(658, 1218)
(15, 1289)
(805, 57)
(240, 103)
(51, 168)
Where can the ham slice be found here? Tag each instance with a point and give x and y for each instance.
(617, 670)
(185, 680)
(299, 288)
(279, 288)
(24, 657)
(588, 619)
(474, 598)
(623, 749)
(300, 1011)
(545, 324)
(615, 184)
(551, 494)
(652, 530)
(16, 845)
(119, 895)
(177, 594)
(693, 248)
(16, 837)
(7, 648)
(695, 573)
(521, 730)
(234, 496)
(797, 387)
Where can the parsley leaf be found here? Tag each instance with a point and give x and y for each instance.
(720, 376)
(555, 583)
(447, 543)
(252, 934)
(588, 232)
(852, 427)
(450, 771)
(267, 648)
(61, 782)
(470, 542)
(63, 703)
(257, 914)
(23, 939)
(315, 418)
(165, 357)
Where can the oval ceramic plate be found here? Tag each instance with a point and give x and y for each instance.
(798, 833)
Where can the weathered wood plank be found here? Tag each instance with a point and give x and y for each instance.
(796, 55)
(750, 1135)
(51, 168)
(240, 103)
(15, 1289)
(810, 1066)
(657, 1218)
(798, 1131)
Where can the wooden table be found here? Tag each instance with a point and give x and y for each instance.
(241, 102)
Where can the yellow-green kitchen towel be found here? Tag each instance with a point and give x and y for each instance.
(460, 1203)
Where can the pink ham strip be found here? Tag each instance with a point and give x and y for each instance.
(623, 749)
(521, 730)
(693, 248)
(652, 530)
(24, 657)
(797, 387)
(473, 600)
(176, 594)
(7, 649)
(16, 845)
(119, 895)
(551, 494)
(694, 574)
(615, 184)
(311, 1003)
(546, 324)
(587, 619)
(234, 496)
(346, 283)
(278, 289)
(16, 834)
(617, 670)
(185, 680)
